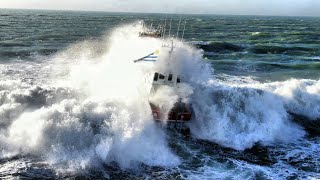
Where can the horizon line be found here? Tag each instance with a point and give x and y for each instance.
(136, 12)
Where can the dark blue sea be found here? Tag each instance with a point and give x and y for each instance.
(74, 105)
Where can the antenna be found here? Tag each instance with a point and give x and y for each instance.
(164, 28)
(143, 25)
(171, 47)
(184, 27)
(178, 28)
(170, 27)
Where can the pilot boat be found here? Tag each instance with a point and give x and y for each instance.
(181, 111)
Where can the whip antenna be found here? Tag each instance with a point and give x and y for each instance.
(178, 28)
(164, 28)
(184, 28)
(170, 27)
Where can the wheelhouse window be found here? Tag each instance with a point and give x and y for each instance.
(161, 76)
(170, 77)
(156, 75)
(178, 79)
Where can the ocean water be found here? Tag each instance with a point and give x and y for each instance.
(74, 105)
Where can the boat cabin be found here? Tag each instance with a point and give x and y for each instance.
(161, 80)
(181, 112)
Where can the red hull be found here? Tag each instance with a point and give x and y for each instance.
(176, 114)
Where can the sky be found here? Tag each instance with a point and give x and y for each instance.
(232, 7)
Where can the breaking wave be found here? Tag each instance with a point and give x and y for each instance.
(241, 115)
(90, 109)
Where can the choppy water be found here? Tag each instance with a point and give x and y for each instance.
(72, 103)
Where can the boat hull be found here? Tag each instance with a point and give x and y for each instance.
(180, 113)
